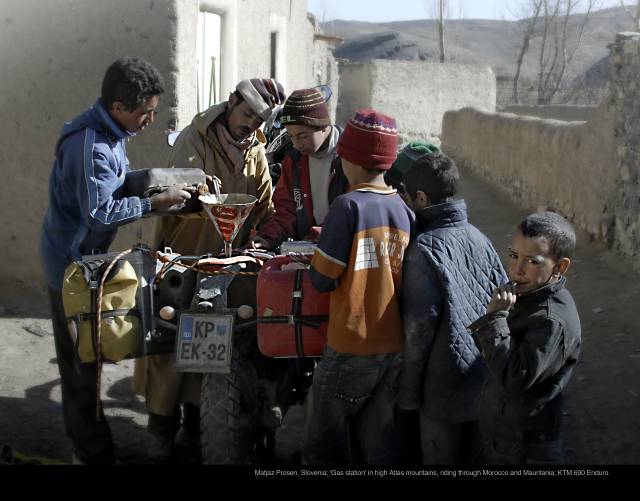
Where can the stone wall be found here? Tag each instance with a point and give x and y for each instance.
(561, 166)
(324, 66)
(588, 171)
(566, 113)
(528, 94)
(625, 98)
(416, 93)
(54, 54)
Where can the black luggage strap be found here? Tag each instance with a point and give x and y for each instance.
(296, 306)
(81, 317)
(295, 318)
(93, 271)
(302, 226)
(92, 317)
(97, 277)
(314, 321)
(94, 284)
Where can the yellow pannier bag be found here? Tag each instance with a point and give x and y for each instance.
(120, 331)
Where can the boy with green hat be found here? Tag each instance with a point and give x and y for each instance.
(409, 154)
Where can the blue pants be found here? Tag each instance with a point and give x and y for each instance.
(357, 391)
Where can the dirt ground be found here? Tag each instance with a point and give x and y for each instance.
(603, 398)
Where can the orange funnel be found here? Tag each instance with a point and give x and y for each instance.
(228, 212)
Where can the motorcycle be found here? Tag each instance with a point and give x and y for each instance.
(233, 320)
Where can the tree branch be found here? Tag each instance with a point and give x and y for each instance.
(636, 17)
(536, 5)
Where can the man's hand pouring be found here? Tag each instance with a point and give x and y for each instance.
(177, 194)
(214, 184)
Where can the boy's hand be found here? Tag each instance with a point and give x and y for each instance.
(314, 234)
(260, 243)
(174, 195)
(503, 298)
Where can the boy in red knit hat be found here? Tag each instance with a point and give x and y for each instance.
(312, 175)
(359, 259)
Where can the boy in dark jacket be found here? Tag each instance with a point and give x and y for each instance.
(450, 270)
(406, 157)
(359, 259)
(530, 340)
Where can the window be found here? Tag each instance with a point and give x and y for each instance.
(208, 59)
(274, 53)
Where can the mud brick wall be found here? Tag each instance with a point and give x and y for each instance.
(588, 171)
(625, 98)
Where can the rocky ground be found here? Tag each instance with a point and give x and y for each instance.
(603, 396)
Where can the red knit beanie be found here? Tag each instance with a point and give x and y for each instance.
(370, 140)
(305, 107)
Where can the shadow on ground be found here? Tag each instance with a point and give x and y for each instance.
(603, 397)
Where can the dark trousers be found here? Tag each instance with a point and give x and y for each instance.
(353, 397)
(522, 448)
(448, 443)
(408, 424)
(168, 426)
(91, 437)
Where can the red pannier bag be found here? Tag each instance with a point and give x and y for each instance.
(292, 315)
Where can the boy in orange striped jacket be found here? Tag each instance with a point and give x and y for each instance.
(359, 259)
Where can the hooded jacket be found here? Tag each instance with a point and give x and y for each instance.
(86, 203)
(198, 146)
(450, 271)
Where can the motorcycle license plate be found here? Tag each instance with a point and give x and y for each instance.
(203, 343)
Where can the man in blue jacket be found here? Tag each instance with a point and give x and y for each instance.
(86, 206)
(450, 271)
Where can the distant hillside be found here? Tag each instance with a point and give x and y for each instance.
(496, 43)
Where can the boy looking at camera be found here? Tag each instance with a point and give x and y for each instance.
(530, 340)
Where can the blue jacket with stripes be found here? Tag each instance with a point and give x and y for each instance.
(86, 195)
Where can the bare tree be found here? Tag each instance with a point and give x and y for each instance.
(442, 7)
(439, 9)
(326, 11)
(530, 26)
(636, 17)
(558, 44)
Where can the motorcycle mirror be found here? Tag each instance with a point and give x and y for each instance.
(273, 122)
(172, 138)
(326, 92)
